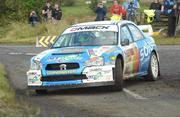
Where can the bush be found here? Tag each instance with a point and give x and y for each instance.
(68, 2)
(93, 4)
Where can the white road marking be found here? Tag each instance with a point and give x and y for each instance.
(15, 53)
(30, 54)
(136, 96)
(19, 53)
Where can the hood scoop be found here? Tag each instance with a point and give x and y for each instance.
(69, 51)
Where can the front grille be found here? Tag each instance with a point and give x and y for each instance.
(63, 78)
(69, 66)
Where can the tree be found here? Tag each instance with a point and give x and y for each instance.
(93, 4)
(68, 2)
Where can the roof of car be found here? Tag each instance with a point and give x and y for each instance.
(96, 26)
(102, 23)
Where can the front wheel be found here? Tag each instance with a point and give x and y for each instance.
(153, 70)
(118, 76)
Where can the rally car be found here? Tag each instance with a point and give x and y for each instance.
(95, 54)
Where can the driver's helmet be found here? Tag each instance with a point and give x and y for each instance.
(84, 38)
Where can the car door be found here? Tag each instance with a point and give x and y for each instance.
(131, 55)
(142, 49)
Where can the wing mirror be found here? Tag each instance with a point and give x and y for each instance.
(125, 42)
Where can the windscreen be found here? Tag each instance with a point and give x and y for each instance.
(87, 38)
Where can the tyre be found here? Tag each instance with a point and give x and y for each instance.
(118, 76)
(41, 91)
(153, 69)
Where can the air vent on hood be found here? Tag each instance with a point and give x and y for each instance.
(69, 66)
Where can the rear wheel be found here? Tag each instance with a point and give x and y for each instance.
(153, 70)
(118, 76)
(41, 91)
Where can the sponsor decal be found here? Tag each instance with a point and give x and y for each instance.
(112, 58)
(72, 50)
(96, 74)
(110, 50)
(63, 72)
(145, 51)
(89, 28)
(132, 60)
(98, 61)
(64, 58)
(129, 53)
(73, 82)
(104, 49)
(93, 70)
(34, 78)
(136, 64)
(91, 53)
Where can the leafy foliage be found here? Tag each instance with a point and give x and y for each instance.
(18, 10)
(68, 2)
(93, 4)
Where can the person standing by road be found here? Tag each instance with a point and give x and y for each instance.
(124, 8)
(124, 4)
(47, 12)
(168, 8)
(116, 11)
(131, 12)
(56, 14)
(156, 5)
(136, 5)
(100, 11)
(33, 18)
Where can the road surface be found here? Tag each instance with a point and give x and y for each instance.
(139, 98)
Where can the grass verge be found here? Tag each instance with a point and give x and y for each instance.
(8, 103)
(163, 40)
(22, 33)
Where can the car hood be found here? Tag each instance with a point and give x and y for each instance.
(73, 54)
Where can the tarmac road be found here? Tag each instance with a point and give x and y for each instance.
(139, 98)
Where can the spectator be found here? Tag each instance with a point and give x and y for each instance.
(168, 8)
(56, 14)
(101, 12)
(131, 12)
(124, 8)
(116, 11)
(156, 5)
(124, 4)
(33, 18)
(47, 12)
(136, 5)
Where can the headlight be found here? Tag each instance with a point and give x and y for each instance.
(95, 61)
(35, 65)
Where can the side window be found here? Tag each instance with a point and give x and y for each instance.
(137, 35)
(125, 34)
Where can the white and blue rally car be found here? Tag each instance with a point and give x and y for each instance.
(95, 54)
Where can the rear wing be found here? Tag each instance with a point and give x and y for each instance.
(147, 29)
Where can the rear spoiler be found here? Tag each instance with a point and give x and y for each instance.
(147, 29)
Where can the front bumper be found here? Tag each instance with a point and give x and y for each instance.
(84, 85)
(96, 76)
